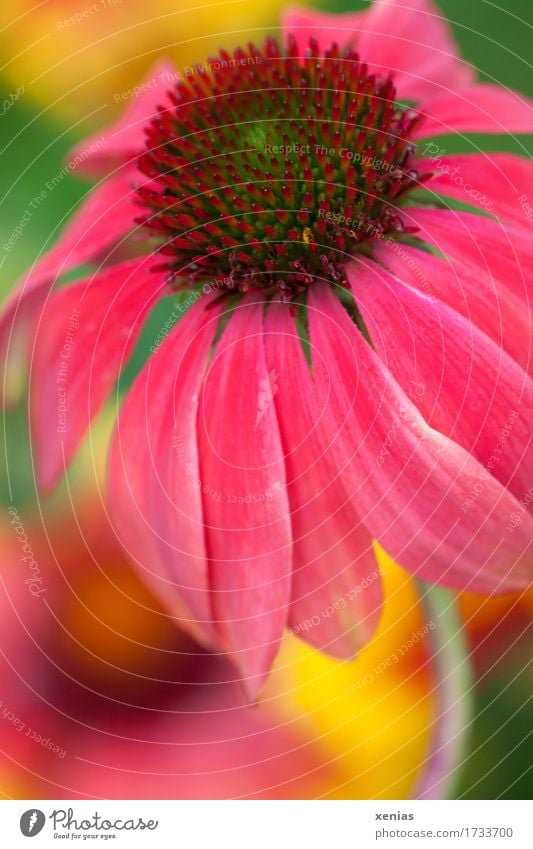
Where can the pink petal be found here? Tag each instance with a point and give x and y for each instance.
(427, 501)
(248, 532)
(85, 334)
(104, 151)
(505, 253)
(104, 217)
(483, 275)
(411, 41)
(336, 584)
(154, 481)
(304, 23)
(495, 182)
(478, 108)
(462, 383)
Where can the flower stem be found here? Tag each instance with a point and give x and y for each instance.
(453, 691)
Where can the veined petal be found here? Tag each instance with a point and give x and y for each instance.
(477, 108)
(304, 23)
(464, 385)
(494, 182)
(248, 533)
(106, 150)
(427, 501)
(154, 480)
(413, 41)
(104, 217)
(16, 327)
(336, 583)
(84, 336)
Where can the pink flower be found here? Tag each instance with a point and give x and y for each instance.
(353, 359)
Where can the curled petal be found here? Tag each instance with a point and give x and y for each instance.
(413, 41)
(303, 23)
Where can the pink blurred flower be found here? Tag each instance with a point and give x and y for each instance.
(101, 696)
(353, 363)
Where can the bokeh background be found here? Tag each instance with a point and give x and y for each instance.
(100, 694)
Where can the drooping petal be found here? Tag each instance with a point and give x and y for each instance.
(336, 583)
(484, 274)
(477, 108)
(464, 385)
(83, 338)
(106, 150)
(495, 182)
(427, 501)
(248, 533)
(154, 483)
(104, 217)
(413, 42)
(504, 253)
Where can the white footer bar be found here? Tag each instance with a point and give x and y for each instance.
(267, 824)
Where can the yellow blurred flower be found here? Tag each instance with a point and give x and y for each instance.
(372, 716)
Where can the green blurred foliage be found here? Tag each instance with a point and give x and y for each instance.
(499, 764)
(494, 37)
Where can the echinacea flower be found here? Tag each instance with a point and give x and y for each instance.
(351, 360)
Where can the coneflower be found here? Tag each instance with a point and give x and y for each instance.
(353, 363)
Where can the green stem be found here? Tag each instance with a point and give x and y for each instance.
(453, 689)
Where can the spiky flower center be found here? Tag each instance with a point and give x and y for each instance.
(270, 169)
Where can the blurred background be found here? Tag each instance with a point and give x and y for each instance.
(100, 694)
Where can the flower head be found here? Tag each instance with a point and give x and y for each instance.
(258, 159)
(352, 364)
